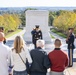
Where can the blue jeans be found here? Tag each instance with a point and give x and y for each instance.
(20, 73)
(37, 73)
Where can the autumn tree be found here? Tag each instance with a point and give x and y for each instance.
(10, 22)
(65, 20)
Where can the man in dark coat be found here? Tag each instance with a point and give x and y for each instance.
(36, 34)
(70, 42)
(40, 59)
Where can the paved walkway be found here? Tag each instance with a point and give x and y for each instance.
(20, 33)
(10, 40)
(71, 71)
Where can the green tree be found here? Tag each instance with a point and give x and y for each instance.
(23, 19)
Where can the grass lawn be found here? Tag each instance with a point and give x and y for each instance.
(52, 37)
(59, 33)
(12, 33)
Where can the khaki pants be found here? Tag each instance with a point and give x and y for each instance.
(56, 73)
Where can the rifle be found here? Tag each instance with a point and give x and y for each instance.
(68, 37)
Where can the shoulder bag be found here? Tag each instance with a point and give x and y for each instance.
(26, 64)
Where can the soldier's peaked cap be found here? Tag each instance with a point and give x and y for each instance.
(37, 26)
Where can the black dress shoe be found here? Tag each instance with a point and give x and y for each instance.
(70, 66)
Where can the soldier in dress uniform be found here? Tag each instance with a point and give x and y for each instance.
(70, 42)
(2, 30)
(36, 34)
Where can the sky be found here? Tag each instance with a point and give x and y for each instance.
(46, 3)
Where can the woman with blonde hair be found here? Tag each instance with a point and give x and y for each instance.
(18, 55)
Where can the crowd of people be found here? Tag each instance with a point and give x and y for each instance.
(13, 61)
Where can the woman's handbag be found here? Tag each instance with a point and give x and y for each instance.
(26, 64)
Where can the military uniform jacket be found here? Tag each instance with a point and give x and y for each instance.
(71, 41)
(38, 35)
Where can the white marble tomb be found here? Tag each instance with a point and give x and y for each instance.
(37, 17)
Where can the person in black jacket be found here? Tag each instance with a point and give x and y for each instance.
(70, 42)
(40, 60)
(36, 34)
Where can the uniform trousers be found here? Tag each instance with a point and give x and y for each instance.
(70, 54)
